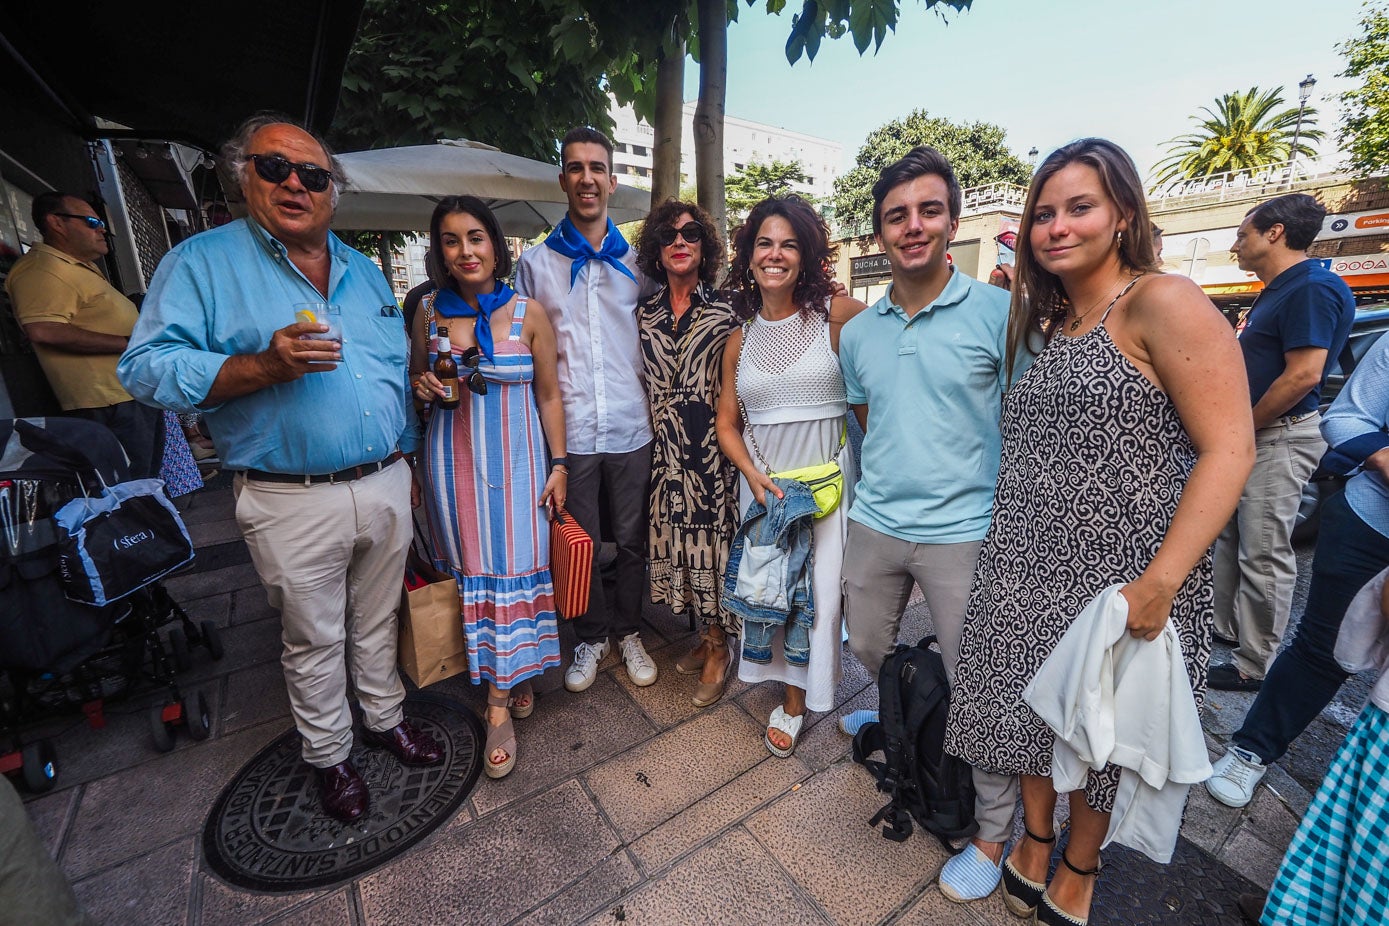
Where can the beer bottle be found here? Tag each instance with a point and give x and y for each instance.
(446, 370)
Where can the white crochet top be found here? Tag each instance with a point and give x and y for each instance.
(787, 370)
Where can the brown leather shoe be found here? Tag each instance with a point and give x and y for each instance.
(406, 743)
(345, 794)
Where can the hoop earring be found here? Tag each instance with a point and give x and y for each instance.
(750, 279)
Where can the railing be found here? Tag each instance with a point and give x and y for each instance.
(976, 199)
(1267, 180)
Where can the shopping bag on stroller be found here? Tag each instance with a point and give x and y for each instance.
(121, 541)
(432, 647)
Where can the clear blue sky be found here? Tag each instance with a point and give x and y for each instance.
(1047, 71)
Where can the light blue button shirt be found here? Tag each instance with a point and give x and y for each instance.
(933, 384)
(1357, 425)
(226, 292)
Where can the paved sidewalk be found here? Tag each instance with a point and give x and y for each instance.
(628, 805)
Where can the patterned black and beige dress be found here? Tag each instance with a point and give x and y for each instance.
(694, 487)
(1094, 463)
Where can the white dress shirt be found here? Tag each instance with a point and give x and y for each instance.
(600, 367)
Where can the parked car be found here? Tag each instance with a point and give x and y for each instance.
(1371, 321)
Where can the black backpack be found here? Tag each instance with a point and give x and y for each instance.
(926, 784)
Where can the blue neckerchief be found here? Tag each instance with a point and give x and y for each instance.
(566, 240)
(451, 305)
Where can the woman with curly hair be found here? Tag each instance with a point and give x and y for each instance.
(694, 487)
(782, 408)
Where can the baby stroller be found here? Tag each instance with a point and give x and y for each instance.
(57, 654)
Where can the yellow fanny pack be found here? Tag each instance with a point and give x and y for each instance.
(825, 482)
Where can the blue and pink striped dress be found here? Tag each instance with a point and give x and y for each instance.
(485, 466)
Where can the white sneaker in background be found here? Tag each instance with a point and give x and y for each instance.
(584, 669)
(1237, 774)
(640, 669)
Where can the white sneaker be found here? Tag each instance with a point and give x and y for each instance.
(1237, 773)
(640, 669)
(584, 669)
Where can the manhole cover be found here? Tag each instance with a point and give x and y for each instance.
(268, 833)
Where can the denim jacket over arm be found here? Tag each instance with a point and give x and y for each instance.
(767, 582)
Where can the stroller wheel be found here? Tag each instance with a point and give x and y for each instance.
(197, 716)
(178, 643)
(40, 766)
(212, 639)
(161, 730)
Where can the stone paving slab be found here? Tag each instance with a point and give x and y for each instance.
(731, 882)
(486, 874)
(152, 890)
(814, 830)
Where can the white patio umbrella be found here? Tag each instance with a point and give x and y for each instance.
(396, 189)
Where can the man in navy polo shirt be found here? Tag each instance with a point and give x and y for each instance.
(1290, 339)
(924, 371)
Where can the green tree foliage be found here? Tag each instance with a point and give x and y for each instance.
(512, 73)
(1246, 129)
(1365, 117)
(756, 181)
(977, 151)
(866, 21)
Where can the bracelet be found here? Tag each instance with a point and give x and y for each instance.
(562, 467)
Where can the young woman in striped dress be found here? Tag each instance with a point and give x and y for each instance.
(492, 465)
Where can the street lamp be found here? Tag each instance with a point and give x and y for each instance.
(1032, 157)
(1304, 92)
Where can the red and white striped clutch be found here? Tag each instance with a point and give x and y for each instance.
(571, 564)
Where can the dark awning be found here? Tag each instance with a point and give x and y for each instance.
(179, 70)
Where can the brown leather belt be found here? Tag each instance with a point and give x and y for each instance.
(342, 475)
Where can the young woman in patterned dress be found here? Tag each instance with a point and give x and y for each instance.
(694, 487)
(1125, 447)
(486, 469)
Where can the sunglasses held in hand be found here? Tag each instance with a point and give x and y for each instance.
(692, 232)
(274, 169)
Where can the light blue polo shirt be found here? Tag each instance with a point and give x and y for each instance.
(934, 388)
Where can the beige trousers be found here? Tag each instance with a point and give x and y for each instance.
(879, 571)
(1255, 567)
(332, 559)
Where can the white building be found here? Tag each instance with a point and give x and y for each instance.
(744, 142)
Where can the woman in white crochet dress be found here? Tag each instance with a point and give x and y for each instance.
(782, 366)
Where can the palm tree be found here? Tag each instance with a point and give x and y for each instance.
(1246, 129)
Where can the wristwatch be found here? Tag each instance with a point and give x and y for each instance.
(559, 461)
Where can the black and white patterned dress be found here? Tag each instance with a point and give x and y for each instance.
(1094, 463)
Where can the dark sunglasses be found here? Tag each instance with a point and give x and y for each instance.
(90, 221)
(274, 169)
(692, 232)
(475, 380)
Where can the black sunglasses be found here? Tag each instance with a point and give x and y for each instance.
(90, 221)
(475, 380)
(274, 169)
(692, 232)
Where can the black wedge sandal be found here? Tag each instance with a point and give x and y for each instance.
(1021, 895)
(1049, 914)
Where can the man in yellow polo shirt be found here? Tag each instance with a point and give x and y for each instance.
(79, 325)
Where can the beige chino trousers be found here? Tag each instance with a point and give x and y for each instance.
(1255, 567)
(879, 571)
(332, 558)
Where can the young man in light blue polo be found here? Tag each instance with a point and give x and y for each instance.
(925, 374)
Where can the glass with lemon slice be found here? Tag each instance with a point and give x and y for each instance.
(320, 313)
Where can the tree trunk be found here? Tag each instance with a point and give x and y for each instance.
(383, 249)
(708, 121)
(670, 112)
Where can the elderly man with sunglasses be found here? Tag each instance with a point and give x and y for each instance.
(79, 324)
(316, 429)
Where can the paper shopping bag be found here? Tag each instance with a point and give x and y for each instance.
(432, 647)
(571, 564)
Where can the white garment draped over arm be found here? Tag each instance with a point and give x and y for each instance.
(1112, 698)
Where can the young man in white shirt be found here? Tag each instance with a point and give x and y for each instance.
(586, 275)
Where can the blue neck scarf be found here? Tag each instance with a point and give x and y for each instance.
(449, 304)
(566, 240)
